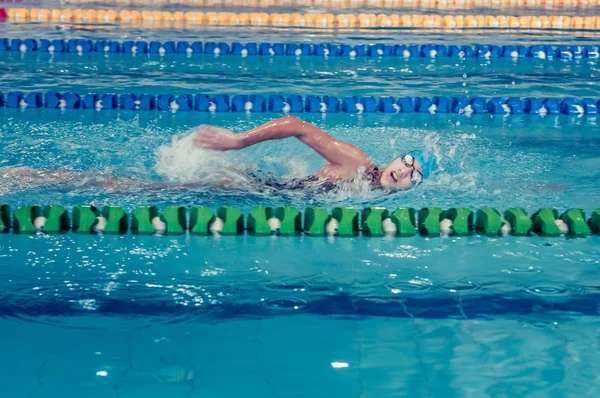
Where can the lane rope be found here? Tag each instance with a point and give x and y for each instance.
(349, 4)
(315, 221)
(255, 103)
(169, 19)
(80, 47)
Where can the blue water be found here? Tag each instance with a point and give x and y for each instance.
(189, 316)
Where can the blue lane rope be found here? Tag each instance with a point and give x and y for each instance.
(79, 46)
(298, 104)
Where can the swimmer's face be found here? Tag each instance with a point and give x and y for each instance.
(403, 173)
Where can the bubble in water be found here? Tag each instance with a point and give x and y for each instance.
(457, 123)
(464, 75)
(513, 83)
(464, 84)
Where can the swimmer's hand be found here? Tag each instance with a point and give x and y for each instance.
(216, 138)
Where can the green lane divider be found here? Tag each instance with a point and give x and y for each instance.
(233, 220)
(200, 220)
(404, 218)
(23, 219)
(544, 222)
(488, 221)
(315, 221)
(141, 220)
(517, 218)
(258, 221)
(575, 220)
(175, 219)
(594, 222)
(57, 220)
(289, 221)
(429, 221)
(347, 221)
(84, 219)
(462, 220)
(4, 218)
(116, 220)
(372, 221)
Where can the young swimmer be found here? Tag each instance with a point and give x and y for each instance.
(345, 161)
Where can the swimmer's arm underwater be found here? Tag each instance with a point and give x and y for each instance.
(338, 153)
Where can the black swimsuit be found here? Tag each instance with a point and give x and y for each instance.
(309, 183)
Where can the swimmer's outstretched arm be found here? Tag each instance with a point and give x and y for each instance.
(336, 152)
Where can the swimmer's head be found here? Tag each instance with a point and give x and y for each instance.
(407, 171)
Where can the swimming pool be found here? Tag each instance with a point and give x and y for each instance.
(130, 315)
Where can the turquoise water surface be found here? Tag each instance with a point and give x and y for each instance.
(190, 316)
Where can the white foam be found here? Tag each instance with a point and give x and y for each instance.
(180, 162)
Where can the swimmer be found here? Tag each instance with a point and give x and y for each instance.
(345, 162)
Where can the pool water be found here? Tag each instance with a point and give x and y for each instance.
(191, 316)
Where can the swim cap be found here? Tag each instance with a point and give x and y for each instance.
(428, 162)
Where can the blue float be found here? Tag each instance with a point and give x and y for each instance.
(164, 101)
(90, 101)
(552, 106)
(128, 102)
(532, 106)
(54, 46)
(422, 104)
(442, 104)
(183, 47)
(221, 102)
(589, 106)
(202, 103)
(590, 52)
(13, 99)
(147, 102)
(105, 46)
(248, 103)
(405, 105)
(52, 100)
(387, 105)
(216, 48)
(140, 47)
(515, 104)
(197, 47)
(33, 100)
(494, 106)
(185, 102)
(380, 50)
(109, 101)
(79, 46)
(4, 45)
(570, 106)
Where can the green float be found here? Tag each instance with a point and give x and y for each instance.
(116, 220)
(23, 219)
(233, 220)
(575, 219)
(372, 221)
(291, 222)
(57, 219)
(429, 221)
(544, 222)
(594, 222)
(141, 220)
(404, 218)
(4, 218)
(347, 221)
(488, 221)
(315, 220)
(462, 220)
(258, 221)
(175, 219)
(519, 222)
(84, 218)
(200, 219)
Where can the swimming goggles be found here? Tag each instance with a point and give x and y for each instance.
(416, 177)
